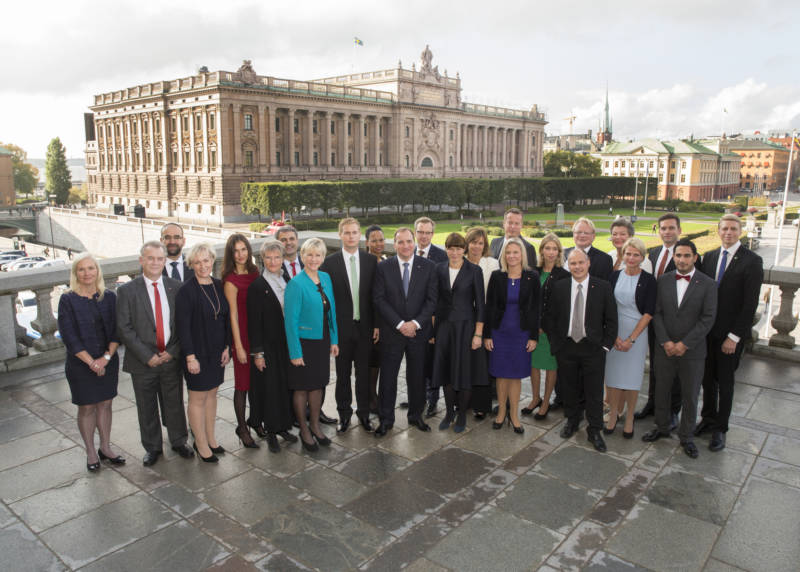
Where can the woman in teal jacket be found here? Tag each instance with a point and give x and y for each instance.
(310, 321)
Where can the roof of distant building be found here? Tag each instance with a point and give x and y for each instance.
(4, 151)
(679, 146)
(754, 145)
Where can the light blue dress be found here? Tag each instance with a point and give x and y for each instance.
(625, 370)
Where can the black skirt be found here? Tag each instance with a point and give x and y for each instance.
(455, 362)
(317, 356)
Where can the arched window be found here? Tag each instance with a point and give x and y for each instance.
(427, 162)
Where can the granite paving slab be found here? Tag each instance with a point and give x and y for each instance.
(777, 471)
(177, 547)
(6, 517)
(604, 562)
(54, 391)
(414, 444)
(251, 496)
(499, 444)
(470, 500)
(20, 427)
(180, 500)
(10, 409)
(622, 497)
(579, 546)
(740, 438)
(32, 447)
(328, 456)
(410, 547)
(372, 466)
(279, 562)
(581, 466)
(232, 534)
(783, 449)
(322, 536)
(765, 516)
(328, 485)
(686, 547)
(424, 565)
(195, 475)
(726, 465)
(713, 565)
(23, 552)
(449, 470)
(743, 398)
(233, 563)
(527, 457)
(694, 495)
(657, 454)
(282, 465)
(36, 476)
(776, 407)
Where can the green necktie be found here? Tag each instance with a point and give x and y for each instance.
(354, 287)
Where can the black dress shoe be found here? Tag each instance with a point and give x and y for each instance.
(556, 405)
(703, 427)
(150, 458)
(272, 443)
(327, 420)
(431, 411)
(420, 424)
(690, 449)
(568, 430)
(404, 405)
(365, 423)
(344, 425)
(382, 429)
(184, 451)
(654, 435)
(596, 439)
(646, 411)
(717, 441)
(479, 415)
(673, 422)
(118, 460)
(288, 437)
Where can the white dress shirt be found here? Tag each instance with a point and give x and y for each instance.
(162, 292)
(572, 296)
(666, 251)
(425, 251)
(179, 267)
(288, 265)
(347, 267)
(682, 285)
(453, 274)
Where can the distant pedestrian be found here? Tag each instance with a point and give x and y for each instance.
(69, 253)
(610, 211)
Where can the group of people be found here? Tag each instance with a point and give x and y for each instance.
(471, 320)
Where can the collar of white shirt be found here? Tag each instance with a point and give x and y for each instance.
(731, 250)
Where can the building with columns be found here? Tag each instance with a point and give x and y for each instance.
(184, 147)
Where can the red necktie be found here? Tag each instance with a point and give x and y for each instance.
(663, 263)
(159, 320)
(684, 277)
(294, 269)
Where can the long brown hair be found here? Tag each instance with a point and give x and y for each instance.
(229, 261)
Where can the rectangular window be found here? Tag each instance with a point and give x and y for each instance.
(186, 207)
(199, 209)
(672, 177)
(606, 164)
(407, 161)
(173, 124)
(248, 122)
(333, 128)
(297, 126)
(185, 159)
(213, 159)
(185, 122)
(365, 159)
(277, 125)
(144, 126)
(157, 125)
(365, 129)
(297, 158)
(199, 160)
(349, 128)
(278, 158)
(135, 127)
(158, 205)
(149, 161)
(198, 122)
(333, 159)
(316, 159)
(452, 135)
(380, 159)
(213, 209)
(650, 165)
(616, 164)
(349, 159)
(683, 164)
(380, 130)
(408, 131)
(683, 178)
(248, 158)
(159, 161)
(212, 121)
(672, 165)
(314, 125)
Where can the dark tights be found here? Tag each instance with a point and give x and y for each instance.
(239, 406)
(451, 396)
(314, 401)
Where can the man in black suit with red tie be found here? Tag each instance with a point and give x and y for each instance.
(405, 294)
(581, 322)
(352, 273)
(738, 272)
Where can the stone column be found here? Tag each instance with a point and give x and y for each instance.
(271, 137)
(206, 152)
(457, 147)
(358, 141)
(474, 137)
(164, 144)
(388, 143)
(308, 139)
(501, 147)
(106, 144)
(192, 161)
(262, 138)
(342, 139)
(289, 132)
(485, 147)
(238, 163)
(180, 141)
(513, 148)
(151, 136)
(324, 138)
(373, 140)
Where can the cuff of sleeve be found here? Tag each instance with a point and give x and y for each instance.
(734, 337)
(417, 324)
(399, 325)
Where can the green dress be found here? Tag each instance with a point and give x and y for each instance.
(541, 357)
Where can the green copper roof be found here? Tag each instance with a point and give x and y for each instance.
(679, 146)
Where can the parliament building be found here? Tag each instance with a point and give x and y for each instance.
(183, 148)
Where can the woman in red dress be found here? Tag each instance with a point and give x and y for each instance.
(238, 272)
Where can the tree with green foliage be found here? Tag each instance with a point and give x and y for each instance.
(25, 175)
(59, 178)
(569, 164)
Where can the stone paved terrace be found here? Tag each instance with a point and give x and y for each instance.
(482, 500)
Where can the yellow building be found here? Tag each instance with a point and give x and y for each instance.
(8, 196)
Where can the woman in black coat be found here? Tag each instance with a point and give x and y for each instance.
(459, 361)
(270, 403)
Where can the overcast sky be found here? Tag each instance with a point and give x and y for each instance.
(672, 67)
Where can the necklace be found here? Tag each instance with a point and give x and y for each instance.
(216, 308)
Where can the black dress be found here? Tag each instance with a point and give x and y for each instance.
(316, 354)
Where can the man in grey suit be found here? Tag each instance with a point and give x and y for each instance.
(686, 306)
(146, 325)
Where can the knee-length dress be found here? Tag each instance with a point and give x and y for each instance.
(542, 358)
(241, 371)
(316, 355)
(509, 358)
(624, 370)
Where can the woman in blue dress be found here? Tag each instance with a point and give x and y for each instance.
(511, 330)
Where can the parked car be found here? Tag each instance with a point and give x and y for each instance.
(48, 263)
(8, 258)
(6, 252)
(15, 265)
(26, 311)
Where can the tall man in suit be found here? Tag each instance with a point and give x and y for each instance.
(146, 325)
(581, 342)
(173, 240)
(583, 233)
(405, 294)
(686, 305)
(738, 273)
(352, 273)
(512, 228)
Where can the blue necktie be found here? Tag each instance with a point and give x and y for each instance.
(406, 278)
(722, 266)
(175, 274)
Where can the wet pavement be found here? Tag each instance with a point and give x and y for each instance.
(479, 500)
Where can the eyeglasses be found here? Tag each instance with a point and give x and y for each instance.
(172, 237)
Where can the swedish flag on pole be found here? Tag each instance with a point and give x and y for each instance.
(357, 42)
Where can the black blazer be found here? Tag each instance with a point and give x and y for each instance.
(600, 263)
(600, 314)
(265, 327)
(195, 327)
(286, 275)
(737, 295)
(187, 272)
(497, 245)
(646, 290)
(436, 254)
(395, 307)
(464, 301)
(335, 266)
(558, 273)
(497, 297)
(655, 252)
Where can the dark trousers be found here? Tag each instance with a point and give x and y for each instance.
(675, 392)
(581, 367)
(392, 352)
(167, 381)
(718, 383)
(431, 392)
(690, 374)
(354, 351)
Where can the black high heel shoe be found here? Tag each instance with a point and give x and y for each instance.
(212, 459)
(518, 429)
(218, 450)
(310, 447)
(93, 467)
(496, 425)
(608, 431)
(529, 410)
(248, 443)
(324, 441)
(118, 460)
(260, 431)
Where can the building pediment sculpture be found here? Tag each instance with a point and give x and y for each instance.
(426, 58)
(246, 72)
(430, 131)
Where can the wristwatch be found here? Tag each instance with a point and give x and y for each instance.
(107, 356)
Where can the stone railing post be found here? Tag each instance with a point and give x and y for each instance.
(45, 322)
(784, 321)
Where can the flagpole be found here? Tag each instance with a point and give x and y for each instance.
(781, 219)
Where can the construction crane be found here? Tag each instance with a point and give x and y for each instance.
(571, 120)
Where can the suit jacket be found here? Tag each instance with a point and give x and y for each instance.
(655, 252)
(646, 290)
(302, 310)
(497, 298)
(76, 324)
(436, 254)
(600, 263)
(395, 307)
(465, 299)
(599, 316)
(187, 272)
(692, 320)
(497, 245)
(136, 324)
(737, 295)
(336, 268)
(286, 275)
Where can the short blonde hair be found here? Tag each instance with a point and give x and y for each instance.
(346, 221)
(424, 220)
(584, 220)
(199, 249)
(518, 242)
(99, 283)
(637, 244)
(548, 238)
(730, 217)
(313, 244)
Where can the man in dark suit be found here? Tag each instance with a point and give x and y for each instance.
(146, 325)
(173, 240)
(738, 272)
(352, 273)
(512, 228)
(581, 322)
(686, 305)
(405, 294)
(600, 263)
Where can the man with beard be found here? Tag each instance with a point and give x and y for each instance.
(173, 240)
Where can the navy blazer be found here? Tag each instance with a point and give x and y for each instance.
(497, 296)
(76, 325)
(196, 327)
(395, 307)
(646, 290)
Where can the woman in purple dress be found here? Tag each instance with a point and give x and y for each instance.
(512, 328)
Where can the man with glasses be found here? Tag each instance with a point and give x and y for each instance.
(600, 263)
